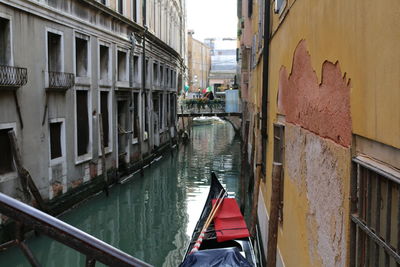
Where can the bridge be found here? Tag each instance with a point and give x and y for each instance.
(228, 109)
(202, 107)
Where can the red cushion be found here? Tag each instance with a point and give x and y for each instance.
(229, 222)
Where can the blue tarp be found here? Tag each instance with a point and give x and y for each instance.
(216, 257)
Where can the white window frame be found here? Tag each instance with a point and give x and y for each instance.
(108, 149)
(106, 4)
(136, 140)
(126, 79)
(276, 8)
(108, 81)
(123, 7)
(88, 156)
(63, 149)
(5, 16)
(87, 79)
(51, 30)
(10, 175)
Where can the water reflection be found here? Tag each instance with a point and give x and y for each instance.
(152, 217)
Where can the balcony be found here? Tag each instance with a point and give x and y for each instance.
(59, 81)
(12, 77)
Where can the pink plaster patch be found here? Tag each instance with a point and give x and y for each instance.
(320, 108)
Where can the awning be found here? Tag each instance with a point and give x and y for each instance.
(229, 222)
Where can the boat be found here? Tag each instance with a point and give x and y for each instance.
(205, 120)
(221, 237)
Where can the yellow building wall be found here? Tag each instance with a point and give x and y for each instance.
(363, 37)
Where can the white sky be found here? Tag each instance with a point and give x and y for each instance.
(212, 18)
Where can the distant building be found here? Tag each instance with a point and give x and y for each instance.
(199, 63)
(223, 62)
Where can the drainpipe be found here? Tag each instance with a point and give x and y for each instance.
(265, 91)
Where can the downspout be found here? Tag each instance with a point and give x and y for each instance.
(265, 91)
(260, 166)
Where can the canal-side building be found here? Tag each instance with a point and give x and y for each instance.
(199, 63)
(64, 65)
(327, 101)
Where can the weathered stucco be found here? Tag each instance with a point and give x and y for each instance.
(321, 108)
(319, 169)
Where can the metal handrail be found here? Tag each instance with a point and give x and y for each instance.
(13, 76)
(60, 80)
(66, 234)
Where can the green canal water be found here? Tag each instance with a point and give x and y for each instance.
(150, 217)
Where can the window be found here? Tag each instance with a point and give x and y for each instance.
(81, 56)
(156, 109)
(134, 10)
(147, 71)
(374, 230)
(161, 111)
(6, 158)
(250, 8)
(105, 117)
(167, 78)
(146, 116)
(104, 62)
(5, 42)
(173, 109)
(135, 117)
(161, 75)
(279, 149)
(54, 52)
(104, 2)
(121, 6)
(155, 73)
(82, 122)
(136, 68)
(279, 6)
(122, 66)
(55, 140)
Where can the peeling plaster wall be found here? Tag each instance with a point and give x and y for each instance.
(321, 108)
(317, 162)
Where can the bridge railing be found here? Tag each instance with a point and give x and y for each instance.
(201, 106)
(93, 248)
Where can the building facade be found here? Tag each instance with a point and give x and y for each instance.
(67, 65)
(223, 62)
(321, 91)
(199, 63)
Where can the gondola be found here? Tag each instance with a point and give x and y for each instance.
(226, 241)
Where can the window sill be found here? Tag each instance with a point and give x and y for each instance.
(108, 150)
(105, 83)
(83, 80)
(123, 84)
(8, 176)
(83, 159)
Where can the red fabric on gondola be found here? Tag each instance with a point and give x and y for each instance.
(229, 222)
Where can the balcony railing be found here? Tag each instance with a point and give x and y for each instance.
(13, 77)
(60, 80)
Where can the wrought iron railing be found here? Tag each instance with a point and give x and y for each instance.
(60, 80)
(13, 76)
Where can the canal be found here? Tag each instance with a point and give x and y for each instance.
(150, 217)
